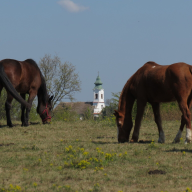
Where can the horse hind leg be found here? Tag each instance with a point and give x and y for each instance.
(179, 134)
(8, 108)
(157, 116)
(186, 120)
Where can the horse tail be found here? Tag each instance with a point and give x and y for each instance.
(9, 87)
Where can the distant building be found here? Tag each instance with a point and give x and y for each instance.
(98, 97)
(78, 107)
(81, 108)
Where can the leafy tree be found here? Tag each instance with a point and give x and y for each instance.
(65, 114)
(115, 98)
(88, 114)
(61, 79)
(112, 104)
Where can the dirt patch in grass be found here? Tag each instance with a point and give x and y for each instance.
(156, 172)
(2, 144)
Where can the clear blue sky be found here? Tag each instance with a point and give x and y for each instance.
(114, 37)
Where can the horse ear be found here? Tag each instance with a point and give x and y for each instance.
(50, 98)
(116, 113)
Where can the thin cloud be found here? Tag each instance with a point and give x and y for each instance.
(71, 6)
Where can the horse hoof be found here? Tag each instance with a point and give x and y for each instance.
(161, 141)
(25, 124)
(176, 141)
(133, 141)
(187, 141)
(122, 141)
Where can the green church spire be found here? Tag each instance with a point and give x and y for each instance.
(98, 83)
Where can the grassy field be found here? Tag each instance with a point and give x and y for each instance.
(85, 156)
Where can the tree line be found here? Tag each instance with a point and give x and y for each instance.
(169, 111)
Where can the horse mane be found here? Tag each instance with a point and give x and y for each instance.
(123, 96)
(43, 88)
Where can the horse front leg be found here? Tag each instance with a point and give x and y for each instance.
(157, 116)
(179, 134)
(128, 123)
(30, 101)
(140, 111)
(7, 109)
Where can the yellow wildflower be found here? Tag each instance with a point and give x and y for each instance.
(85, 153)
(17, 187)
(60, 167)
(35, 184)
(11, 186)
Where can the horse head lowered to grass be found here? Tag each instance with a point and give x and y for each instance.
(24, 77)
(155, 83)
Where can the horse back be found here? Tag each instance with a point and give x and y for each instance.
(24, 75)
(31, 75)
(157, 83)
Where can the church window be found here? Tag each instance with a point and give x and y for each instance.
(96, 96)
(101, 96)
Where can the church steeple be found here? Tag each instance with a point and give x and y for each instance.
(98, 100)
(98, 83)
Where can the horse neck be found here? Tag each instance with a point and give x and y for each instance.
(126, 99)
(122, 101)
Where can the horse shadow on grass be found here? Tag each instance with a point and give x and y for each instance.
(6, 126)
(179, 150)
(107, 142)
(104, 142)
(18, 125)
(3, 126)
(144, 141)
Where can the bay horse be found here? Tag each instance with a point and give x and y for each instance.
(155, 83)
(24, 77)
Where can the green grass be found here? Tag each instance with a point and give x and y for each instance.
(85, 156)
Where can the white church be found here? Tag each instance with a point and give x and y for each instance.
(98, 97)
(80, 107)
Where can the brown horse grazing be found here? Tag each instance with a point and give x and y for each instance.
(155, 83)
(24, 77)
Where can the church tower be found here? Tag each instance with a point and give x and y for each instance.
(98, 94)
